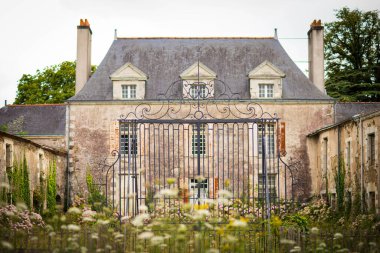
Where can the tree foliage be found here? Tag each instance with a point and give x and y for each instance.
(352, 51)
(53, 84)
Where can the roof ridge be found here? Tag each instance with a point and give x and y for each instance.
(30, 105)
(217, 37)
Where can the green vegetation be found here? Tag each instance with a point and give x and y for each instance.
(52, 187)
(352, 50)
(53, 84)
(19, 178)
(95, 197)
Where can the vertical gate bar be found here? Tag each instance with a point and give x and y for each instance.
(217, 151)
(207, 146)
(154, 162)
(198, 159)
(159, 155)
(233, 161)
(278, 165)
(135, 136)
(189, 146)
(238, 158)
(253, 165)
(213, 160)
(129, 168)
(122, 154)
(178, 162)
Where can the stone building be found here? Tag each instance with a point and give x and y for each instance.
(214, 113)
(254, 73)
(349, 147)
(40, 159)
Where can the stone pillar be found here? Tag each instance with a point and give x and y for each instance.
(316, 56)
(83, 65)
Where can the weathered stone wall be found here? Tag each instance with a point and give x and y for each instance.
(38, 158)
(93, 134)
(353, 146)
(55, 142)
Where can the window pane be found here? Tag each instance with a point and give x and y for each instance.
(127, 134)
(128, 91)
(202, 140)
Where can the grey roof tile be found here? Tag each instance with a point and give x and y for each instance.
(34, 119)
(164, 59)
(344, 111)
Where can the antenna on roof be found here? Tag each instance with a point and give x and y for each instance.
(275, 33)
(115, 36)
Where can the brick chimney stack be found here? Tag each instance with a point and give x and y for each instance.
(316, 56)
(83, 64)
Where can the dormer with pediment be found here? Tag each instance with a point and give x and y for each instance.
(128, 83)
(198, 81)
(265, 81)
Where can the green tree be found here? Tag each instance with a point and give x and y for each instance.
(54, 84)
(352, 51)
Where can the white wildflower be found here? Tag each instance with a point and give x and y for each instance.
(4, 185)
(296, 249)
(124, 218)
(212, 251)
(287, 241)
(103, 222)
(225, 194)
(83, 250)
(145, 235)
(167, 193)
(143, 208)
(238, 223)
(156, 240)
(88, 219)
(314, 230)
(230, 239)
(74, 210)
(338, 236)
(6, 245)
(73, 227)
(138, 221)
(182, 228)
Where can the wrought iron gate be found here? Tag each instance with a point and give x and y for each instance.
(199, 144)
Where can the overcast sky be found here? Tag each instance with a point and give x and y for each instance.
(39, 33)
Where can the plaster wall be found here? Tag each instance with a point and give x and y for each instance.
(93, 134)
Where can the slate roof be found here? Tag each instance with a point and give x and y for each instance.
(344, 111)
(375, 111)
(34, 119)
(164, 59)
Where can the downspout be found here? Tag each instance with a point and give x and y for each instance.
(361, 166)
(68, 156)
(339, 163)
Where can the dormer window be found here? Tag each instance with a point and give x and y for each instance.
(198, 81)
(266, 81)
(128, 82)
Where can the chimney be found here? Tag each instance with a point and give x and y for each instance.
(83, 65)
(316, 57)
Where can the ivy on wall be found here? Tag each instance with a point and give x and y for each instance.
(339, 179)
(52, 187)
(19, 178)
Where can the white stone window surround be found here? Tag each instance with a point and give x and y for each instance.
(128, 75)
(266, 73)
(194, 78)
